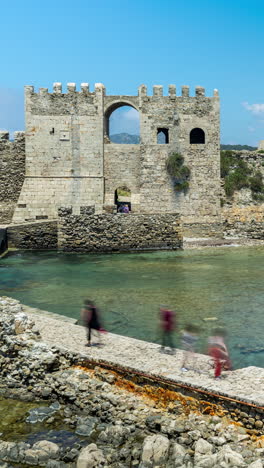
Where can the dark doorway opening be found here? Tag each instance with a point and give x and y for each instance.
(123, 199)
(197, 136)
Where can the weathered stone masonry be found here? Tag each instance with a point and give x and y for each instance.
(65, 161)
(107, 232)
(12, 171)
(70, 160)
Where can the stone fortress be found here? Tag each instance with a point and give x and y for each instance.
(65, 170)
(70, 160)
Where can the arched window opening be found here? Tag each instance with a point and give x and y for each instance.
(123, 199)
(197, 136)
(162, 136)
(122, 124)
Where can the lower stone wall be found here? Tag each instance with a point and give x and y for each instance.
(118, 232)
(202, 230)
(243, 221)
(35, 236)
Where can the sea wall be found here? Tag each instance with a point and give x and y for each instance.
(12, 173)
(33, 236)
(117, 232)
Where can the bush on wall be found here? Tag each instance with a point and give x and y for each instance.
(179, 173)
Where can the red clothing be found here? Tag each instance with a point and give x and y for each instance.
(167, 319)
(218, 351)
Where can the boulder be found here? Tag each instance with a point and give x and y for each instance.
(230, 457)
(155, 451)
(256, 464)
(47, 447)
(207, 461)
(178, 455)
(91, 457)
(202, 447)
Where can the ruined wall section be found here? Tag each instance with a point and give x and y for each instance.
(12, 173)
(64, 148)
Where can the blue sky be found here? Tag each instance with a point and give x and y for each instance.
(123, 44)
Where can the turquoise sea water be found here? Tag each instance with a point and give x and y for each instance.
(226, 283)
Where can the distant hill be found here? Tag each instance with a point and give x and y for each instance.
(238, 147)
(125, 138)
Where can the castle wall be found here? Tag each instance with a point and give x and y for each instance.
(243, 221)
(71, 162)
(64, 148)
(33, 236)
(178, 115)
(12, 173)
(117, 232)
(122, 167)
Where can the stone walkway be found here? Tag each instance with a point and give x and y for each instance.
(244, 384)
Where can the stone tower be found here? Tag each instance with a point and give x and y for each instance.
(70, 160)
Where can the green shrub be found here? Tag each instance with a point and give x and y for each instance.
(178, 172)
(235, 172)
(227, 161)
(261, 151)
(256, 182)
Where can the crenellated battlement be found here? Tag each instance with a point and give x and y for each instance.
(71, 88)
(100, 88)
(5, 136)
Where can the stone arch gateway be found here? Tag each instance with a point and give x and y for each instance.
(111, 110)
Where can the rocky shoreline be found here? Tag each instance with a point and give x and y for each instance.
(119, 423)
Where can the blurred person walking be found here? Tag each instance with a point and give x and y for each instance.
(188, 343)
(168, 325)
(217, 349)
(90, 318)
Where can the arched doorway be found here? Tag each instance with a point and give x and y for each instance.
(123, 198)
(122, 124)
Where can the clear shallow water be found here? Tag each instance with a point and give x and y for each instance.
(227, 283)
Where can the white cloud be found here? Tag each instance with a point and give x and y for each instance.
(254, 108)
